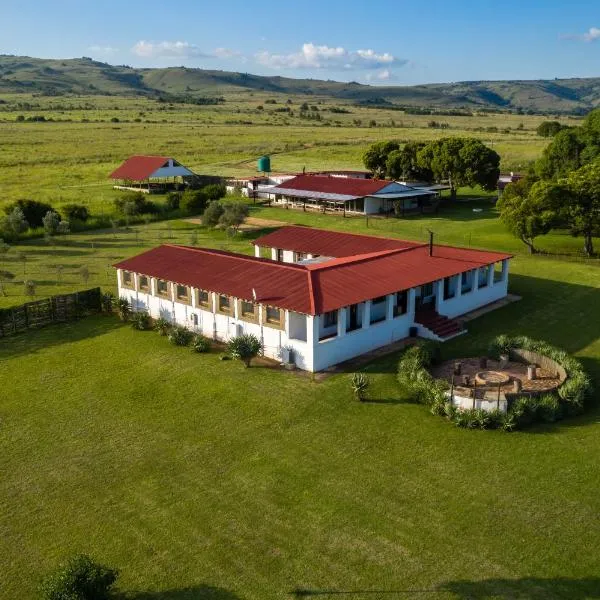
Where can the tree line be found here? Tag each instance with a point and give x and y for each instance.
(561, 189)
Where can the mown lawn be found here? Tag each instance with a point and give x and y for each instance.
(200, 479)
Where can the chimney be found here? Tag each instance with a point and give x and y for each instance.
(430, 242)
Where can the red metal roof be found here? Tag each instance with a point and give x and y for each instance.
(328, 243)
(139, 168)
(310, 289)
(282, 284)
(329, 184)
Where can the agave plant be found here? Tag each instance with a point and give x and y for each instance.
(124, 309)
(163, 326)
(360, 384)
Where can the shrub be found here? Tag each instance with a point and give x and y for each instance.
(33, 211)
(193, 202)
(180, 336)
(549, 408)
(140, 320)
(245, 348)
(107, 302)
(75, 212)
(234, 214)
(360, 384)
(29, 288)
(173, 201)
(524, 410)
(200, 343)
(123, 309)
(79, 579)
(134, 203)
(214, 191)
(212, 214)
(163, 326)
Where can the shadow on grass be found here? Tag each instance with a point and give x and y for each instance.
(200, 592)
(527, 588)
(34, 340)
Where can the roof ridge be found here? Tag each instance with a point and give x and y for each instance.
(238, 255)
(357, 258)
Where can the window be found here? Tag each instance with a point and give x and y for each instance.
(498, 272)
(279, 255)
(162, 287)
(330, 319)
(300, 256)
(182, 292)
(127, 279)
(224, 304)
(449, 289)
(143, 283)
(466, 282)
(203, 298)
(401, 305)
(247, 309)
(273, 315)
(378, 300)
(483, 277)
(427, 290)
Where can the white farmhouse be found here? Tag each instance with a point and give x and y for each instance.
(319, 297)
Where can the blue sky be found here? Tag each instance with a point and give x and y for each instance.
(377, 41)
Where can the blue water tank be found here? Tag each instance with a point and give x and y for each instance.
(264, 164)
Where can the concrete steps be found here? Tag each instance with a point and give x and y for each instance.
(443, 327)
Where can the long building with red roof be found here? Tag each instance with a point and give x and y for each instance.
(316, 297)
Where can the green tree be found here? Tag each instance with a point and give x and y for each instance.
(245, 348)
(76, 212)
(530, 208)
(15, 223)
(402, 164)
(461, 161)
(234, 215)
(376, 155)
(80, 578)
(50, 223)
(212, 214)
(214, 191)
(564, 154)
(548, 128)
(33, 211)
(582, 210)
(193, 202)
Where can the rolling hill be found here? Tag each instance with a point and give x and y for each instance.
(86, 76)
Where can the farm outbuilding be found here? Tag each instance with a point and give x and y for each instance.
(151, 174)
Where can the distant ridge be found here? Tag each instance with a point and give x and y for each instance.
(87, 76)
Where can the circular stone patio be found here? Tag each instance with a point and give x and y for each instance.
(496, 375)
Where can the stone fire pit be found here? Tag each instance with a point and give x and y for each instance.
(491, 378)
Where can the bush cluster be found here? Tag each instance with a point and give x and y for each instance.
(413, 375)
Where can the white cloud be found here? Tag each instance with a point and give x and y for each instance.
(591, 35)
(104, 50)
(165, 49)
(325, 57)
(226, 53)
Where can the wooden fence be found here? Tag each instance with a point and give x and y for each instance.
(55, 309)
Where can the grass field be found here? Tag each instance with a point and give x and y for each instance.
(200, 479)
(69, 160)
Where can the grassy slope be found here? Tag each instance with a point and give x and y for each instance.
(22, 74)
(155, 460)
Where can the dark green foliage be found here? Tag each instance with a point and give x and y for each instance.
(212, 214)
(461, 161)
(548, 128)
(33, 211)
(107, 301)
(414, 377)
(140, 320)
(80, 578)
(359, 383)
(549, 408)
(530, 208)
(75, 212)
(376, 156)
(173, 201)
(163, 326)
(214, 191)
(135, 203)
(403, 164)
(193, 202)
(564, 154)
(245, 348)
(180, 336)
(123, 309)
(200, 343)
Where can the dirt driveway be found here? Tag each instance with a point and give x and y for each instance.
(251, 224)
